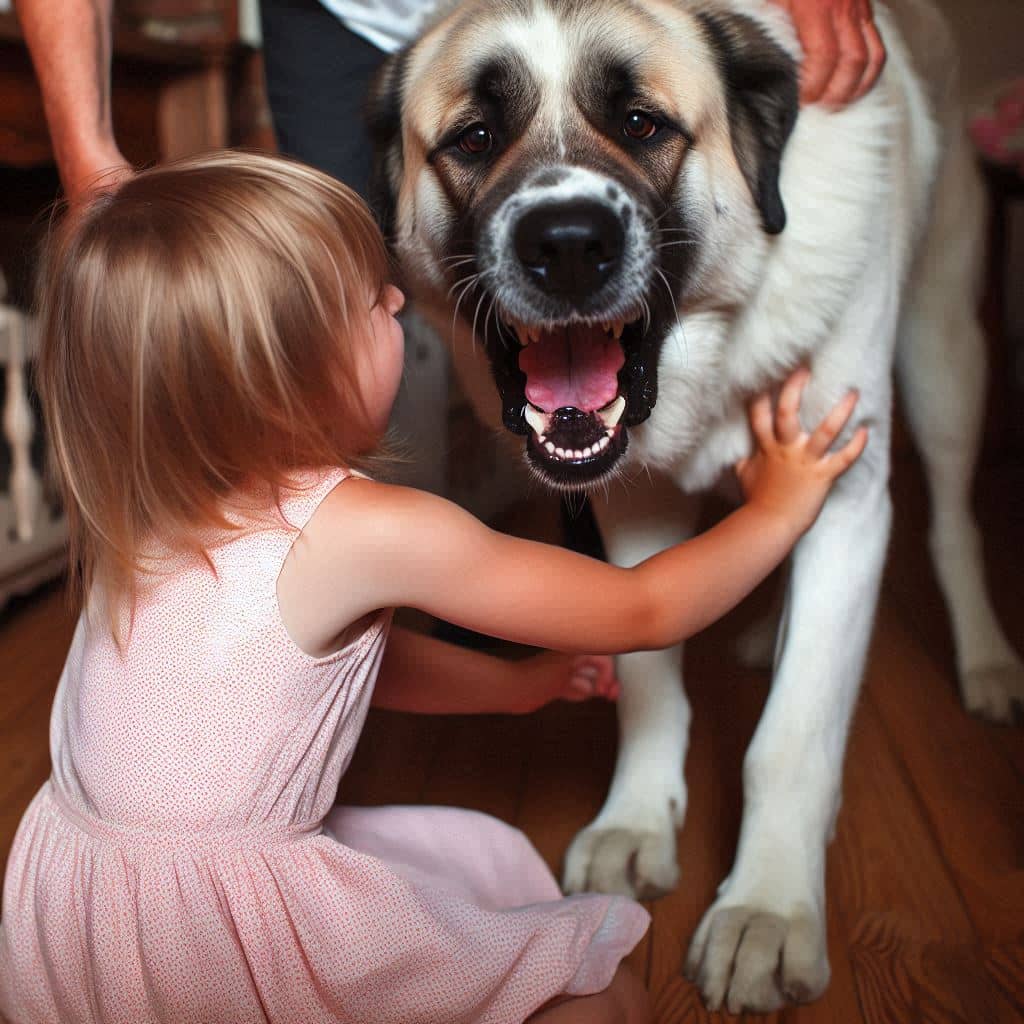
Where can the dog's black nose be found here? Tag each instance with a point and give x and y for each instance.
(569, 249)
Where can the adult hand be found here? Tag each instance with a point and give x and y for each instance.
(843, 52)
(70, 44)
(83, 174)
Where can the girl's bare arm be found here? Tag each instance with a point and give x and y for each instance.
(372, 545)
(422, 674)
(395, 546)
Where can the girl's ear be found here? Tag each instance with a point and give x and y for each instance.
(762, 90)
(384, 122)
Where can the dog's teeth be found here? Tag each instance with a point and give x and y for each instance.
(527, 335)
(617, 328)
(577, 455)
(550, 447)
(561, 453)
(612, 413)
(536, 419)
(541, 439)
(587, 452)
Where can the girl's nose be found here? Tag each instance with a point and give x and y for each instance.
(394, 300)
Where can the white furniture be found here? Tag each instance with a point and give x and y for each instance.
(32, 529)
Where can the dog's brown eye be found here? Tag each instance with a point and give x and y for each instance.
(476, 139)
(639, 125)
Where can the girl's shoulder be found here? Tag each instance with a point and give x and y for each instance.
(307, 489)
(321, 579)
(287, 508)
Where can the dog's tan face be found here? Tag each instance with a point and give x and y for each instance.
(566, 176)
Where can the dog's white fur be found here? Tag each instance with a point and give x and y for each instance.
(878, 264)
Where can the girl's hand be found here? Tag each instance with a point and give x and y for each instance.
(574, 677)
(792, 472)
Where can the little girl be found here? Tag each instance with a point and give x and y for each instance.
(219, 354)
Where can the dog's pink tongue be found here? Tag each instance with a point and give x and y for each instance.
(577, 367)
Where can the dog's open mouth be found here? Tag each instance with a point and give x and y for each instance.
(575, 395)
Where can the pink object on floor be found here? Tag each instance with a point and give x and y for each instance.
(184, 864)
(998, 129)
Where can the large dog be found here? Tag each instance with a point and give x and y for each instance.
(615, 210)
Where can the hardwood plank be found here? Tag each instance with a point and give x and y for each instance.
(911, 583)
(727, 702)
(926, 902)
(392, 760)
(34, 638)
(568, 770)
(913, 947)
(723, 722)
(569, 763)
(480, 764)
(35, 633)
(969, 792)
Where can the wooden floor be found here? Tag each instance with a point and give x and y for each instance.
(925, 877)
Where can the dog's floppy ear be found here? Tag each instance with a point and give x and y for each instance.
(384, 124)
(763, 97)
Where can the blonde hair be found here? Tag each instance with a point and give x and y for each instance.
(198, 326)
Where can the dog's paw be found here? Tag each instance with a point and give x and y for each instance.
(751, 959)
(630, 862)
(995, 693)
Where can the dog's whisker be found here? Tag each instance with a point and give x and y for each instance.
(675, 277)
(470, 279)
(675, 306)
(476, 313)
(455, 313)
(461, 263)
(487, 323)
(498, 326)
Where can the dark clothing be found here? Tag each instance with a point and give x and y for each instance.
(318, 75)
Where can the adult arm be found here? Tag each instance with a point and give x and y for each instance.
(70, 45)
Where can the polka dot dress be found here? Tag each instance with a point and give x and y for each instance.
(184, 863)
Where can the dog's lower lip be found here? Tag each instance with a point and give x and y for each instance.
(566, 470)
(574, 456)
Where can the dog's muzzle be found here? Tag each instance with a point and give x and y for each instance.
(569, 272)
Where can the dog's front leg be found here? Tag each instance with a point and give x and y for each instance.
(763, 940)
(630, 847)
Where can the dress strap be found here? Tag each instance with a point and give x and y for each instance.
(311, 487)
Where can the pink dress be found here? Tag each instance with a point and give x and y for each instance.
(184, 863)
